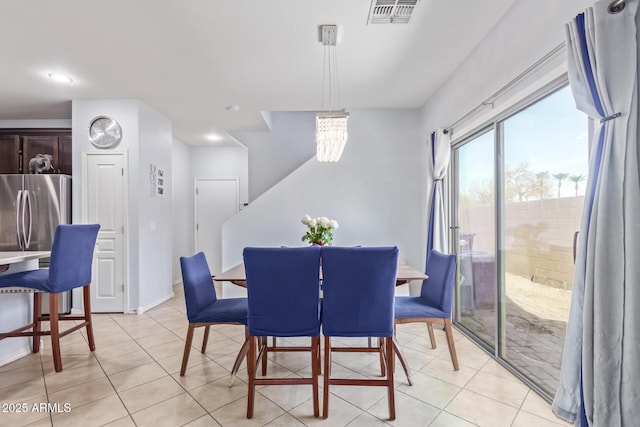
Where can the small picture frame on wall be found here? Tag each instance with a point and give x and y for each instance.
(157, 181)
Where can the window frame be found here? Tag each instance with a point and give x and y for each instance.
(496, 122)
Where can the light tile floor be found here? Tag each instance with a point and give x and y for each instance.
(132, 379)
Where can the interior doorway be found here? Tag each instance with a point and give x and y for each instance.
(216, 200)
(104, 203)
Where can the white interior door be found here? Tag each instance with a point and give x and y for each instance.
(216, 201)
(104, 204)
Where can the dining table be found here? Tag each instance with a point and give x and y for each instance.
(404, 274)
(237, 276)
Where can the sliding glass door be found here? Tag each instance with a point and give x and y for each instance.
(476, 302)
(519, 187)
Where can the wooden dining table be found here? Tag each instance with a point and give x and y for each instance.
(237, 276)
(405, 274)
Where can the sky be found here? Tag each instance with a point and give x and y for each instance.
(550, 135)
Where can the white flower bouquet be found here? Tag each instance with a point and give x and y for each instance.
(320, 230)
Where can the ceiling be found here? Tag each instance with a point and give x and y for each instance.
(191, 59)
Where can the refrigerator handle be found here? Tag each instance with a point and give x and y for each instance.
(18, 235)
(27, 202)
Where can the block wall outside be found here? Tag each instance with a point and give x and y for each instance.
(538, 237)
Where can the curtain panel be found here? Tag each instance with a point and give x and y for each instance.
(440, 156)
(600, 372)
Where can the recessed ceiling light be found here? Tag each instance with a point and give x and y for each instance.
(61, 78)
(214, 137)
(233, 108)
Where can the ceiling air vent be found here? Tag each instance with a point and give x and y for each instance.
(391, 11)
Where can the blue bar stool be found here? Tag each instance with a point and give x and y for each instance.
(69, 268)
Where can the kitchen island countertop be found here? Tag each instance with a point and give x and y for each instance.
(12, 257)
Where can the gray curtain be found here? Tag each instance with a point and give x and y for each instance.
(601, 362)
(440, 157)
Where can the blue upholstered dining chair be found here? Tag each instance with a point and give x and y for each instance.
(358, 286)
(434, 303)
(69, 268)
(205, 309)
(283, 288)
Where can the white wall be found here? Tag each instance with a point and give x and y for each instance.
(527, 32)
(275, 153)
(376, 192)
(155, 213)
(182, 200)
(146, 137)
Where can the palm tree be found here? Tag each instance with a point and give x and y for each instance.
(577, 179)
(560, 176)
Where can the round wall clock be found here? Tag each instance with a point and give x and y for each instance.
(104, 132)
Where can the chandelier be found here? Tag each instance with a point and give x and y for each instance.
(331, 125)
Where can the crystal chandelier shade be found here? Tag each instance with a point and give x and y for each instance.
(331, 126)
(331, 135)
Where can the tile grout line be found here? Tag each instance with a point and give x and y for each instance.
(168, 314)
(168, 374)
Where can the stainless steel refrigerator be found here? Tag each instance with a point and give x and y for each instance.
(31, 206)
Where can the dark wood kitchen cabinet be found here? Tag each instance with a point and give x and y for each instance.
(19, 146)
(64, 154)
(9, 157)
(39, 144)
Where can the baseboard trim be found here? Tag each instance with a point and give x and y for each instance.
(15, 356)
(155, 303)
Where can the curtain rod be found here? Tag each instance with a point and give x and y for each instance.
(492, 98)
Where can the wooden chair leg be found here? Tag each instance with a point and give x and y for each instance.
(432, 337)
(390, 355)
(315, 353)
(381, 354)
(205, 339)
(452, 345)
(390, 381)
(55, 332)
(86, 301)
(327, 374)
(252, 376)
(403, 361)
(265, 349)
(319, 360)
(236, 365)
(246, 339)
(187, 350)
(37, 313)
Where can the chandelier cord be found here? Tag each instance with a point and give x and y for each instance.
(330, 83)
(324, 76)
(337, 79)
